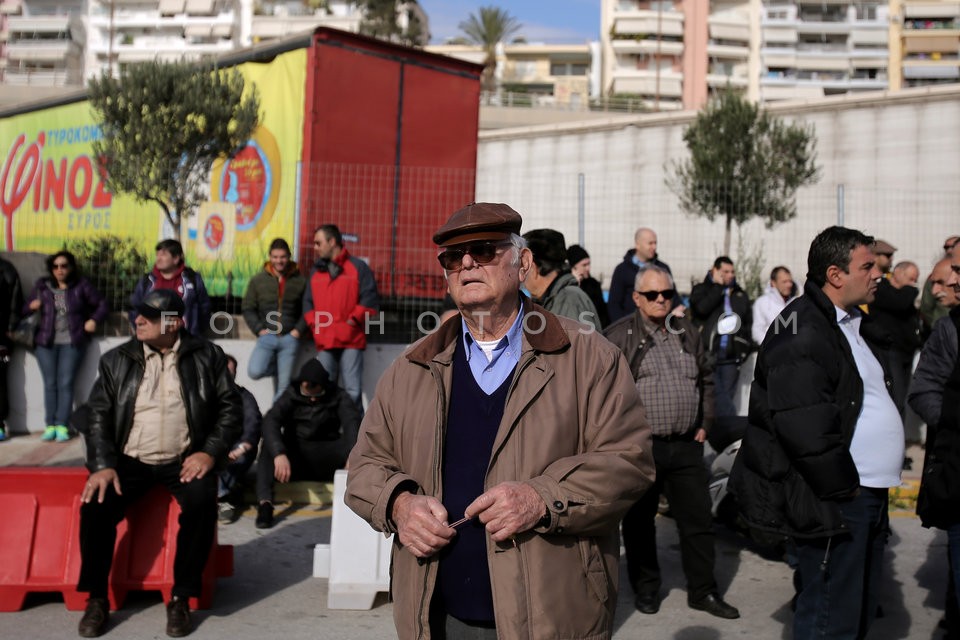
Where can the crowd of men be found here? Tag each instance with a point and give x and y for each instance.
(512, 449)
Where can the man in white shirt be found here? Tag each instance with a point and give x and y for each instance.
(824, 441)
(779, 293)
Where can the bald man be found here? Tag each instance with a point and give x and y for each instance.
(620, 303)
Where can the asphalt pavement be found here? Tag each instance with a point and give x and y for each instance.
(273, 592)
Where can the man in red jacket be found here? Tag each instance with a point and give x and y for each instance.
(340, 296)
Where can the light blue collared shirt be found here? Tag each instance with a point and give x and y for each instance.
(877, 446)
(505, 357)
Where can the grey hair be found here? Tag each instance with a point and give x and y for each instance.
(654, 268)
(519, 244)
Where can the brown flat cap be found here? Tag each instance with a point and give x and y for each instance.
(883, 247)
(479, 221)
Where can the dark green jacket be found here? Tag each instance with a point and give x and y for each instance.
(262, 307)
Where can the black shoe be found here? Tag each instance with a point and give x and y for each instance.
(715, 606)
(95, 618)
(178, 617)
(648, 603)
(264, 515)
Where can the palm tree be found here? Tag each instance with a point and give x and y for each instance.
(489, 26)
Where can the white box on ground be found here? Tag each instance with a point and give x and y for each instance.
(359, 557)
(321, 561)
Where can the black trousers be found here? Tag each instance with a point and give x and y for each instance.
(4, 393)
(198, 522)
(682, 477)
(309, 460)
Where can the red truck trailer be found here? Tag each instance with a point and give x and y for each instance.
(389, 152)
(377, 138)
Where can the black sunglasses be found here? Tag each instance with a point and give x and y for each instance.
(481, 252)
(653, 295)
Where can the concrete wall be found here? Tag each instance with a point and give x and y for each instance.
(896, 156)
(25, 383)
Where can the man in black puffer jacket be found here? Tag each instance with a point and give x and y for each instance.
(307, 435)
(163, 411)
(825, 440)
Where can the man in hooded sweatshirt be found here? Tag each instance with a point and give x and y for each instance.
(307, 435)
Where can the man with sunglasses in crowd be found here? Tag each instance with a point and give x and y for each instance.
(502, 451)
(675, 381)
(341, 294)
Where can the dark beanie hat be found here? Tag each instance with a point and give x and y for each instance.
(314, 373)
(576, 253)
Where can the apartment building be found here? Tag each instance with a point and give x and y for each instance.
(537, 74)
(64, 42)
(924, 43)
(814, 49)
(671, 53)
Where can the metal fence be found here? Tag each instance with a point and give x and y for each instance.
(388, 218)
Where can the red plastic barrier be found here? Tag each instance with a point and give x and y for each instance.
(40, 541)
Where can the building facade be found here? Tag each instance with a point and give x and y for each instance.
(57, 43)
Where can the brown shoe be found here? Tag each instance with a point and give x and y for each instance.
(95, 617)
(178, 618)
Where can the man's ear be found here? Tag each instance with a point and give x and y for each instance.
(834, 276)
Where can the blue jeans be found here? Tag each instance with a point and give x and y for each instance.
(347, 364)
(839, 577)
(58, 365)
(231, 476)
(274, 355)
(725, 378)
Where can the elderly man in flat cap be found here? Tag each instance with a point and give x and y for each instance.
(501, 450)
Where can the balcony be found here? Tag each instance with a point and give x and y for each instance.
(868, 36)
(38, 24)
(38, 50)
(728, 51)
(937, 41)
(45, 78)
(915, 70)
(267, 27)
(649, 47)
(152, 20)
(779, 34)
(927, 10)
(824, 27)
(644, 82)
(630, 23)
(729, 28)
(720, 80)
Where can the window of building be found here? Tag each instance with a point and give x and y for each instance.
(866, 10)
(568, 69)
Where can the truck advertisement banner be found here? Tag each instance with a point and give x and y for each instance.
(51, 192)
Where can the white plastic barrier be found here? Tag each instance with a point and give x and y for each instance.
(357, 560)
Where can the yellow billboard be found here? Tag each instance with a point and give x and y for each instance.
(51, 190)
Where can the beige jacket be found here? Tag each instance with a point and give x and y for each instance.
(573, 427)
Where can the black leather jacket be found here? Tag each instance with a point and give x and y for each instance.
(214, 407)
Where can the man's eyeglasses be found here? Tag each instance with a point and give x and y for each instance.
(61, 265)
(653, 295)
(481, 252)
